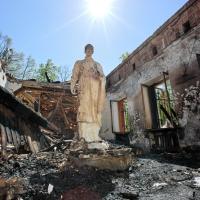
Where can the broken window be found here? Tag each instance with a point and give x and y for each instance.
(133, 66)
(159, 105)
(120, 118)
(186, 26)
(164, 104)
(154, 51)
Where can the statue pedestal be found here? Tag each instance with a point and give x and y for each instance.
(98, 145)
(103, 156)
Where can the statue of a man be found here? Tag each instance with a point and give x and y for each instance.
(91, 93)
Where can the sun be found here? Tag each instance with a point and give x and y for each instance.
(99, 9)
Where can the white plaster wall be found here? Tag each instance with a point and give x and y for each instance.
(106, 129)
(115, 118)
(179, 52)
(12, 86)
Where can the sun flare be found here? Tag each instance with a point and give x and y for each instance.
(99, 9)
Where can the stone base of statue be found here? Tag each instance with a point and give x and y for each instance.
(89, 131)
(101, 155)
(102, 145)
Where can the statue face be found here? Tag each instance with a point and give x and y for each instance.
(89, 52)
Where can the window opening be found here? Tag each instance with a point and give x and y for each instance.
(165, 104)
(186, 27)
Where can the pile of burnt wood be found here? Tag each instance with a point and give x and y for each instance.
(21, 127)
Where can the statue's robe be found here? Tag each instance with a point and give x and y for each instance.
(91, 93)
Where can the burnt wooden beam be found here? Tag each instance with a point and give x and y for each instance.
(3, 139)
(168, 116)
(8, 132)
(18, 136)
(66, 121)
(15, 140)
(29, 135)
(19, 108)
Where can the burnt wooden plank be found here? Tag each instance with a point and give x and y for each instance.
(18, 137)
(8, 131)
(3, 139)
(26, 129)
(24, 140)
(19, 108)
(30, 144)
(14, 137)
(9, 135)
(17, 132)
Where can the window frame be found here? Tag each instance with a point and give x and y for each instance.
(112, 122)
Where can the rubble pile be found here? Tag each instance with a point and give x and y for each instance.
(113, 157)
(158, 178)
(51, 175)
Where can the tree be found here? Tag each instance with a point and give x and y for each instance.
(15, 67)
(30, 69)
(12, 61)
(15, 64)
(124, 56)
(5, 45)
(49, 68)
(64, 73)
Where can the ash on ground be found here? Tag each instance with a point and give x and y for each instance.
(51, 176)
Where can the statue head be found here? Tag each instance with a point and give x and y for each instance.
(89, 50)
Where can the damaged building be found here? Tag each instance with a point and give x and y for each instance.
(53, 101)
(20, 126)
(34, 115)
(152, 104)
(153, 95)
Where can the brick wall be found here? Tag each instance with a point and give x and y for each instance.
(187, 17)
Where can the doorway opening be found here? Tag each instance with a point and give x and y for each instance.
(120, 117)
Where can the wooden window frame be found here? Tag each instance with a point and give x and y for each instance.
(112, 125)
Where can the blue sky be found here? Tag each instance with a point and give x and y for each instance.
(57, 29)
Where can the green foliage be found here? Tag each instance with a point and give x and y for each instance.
(15, 67)
(50, 69)
(124, 56)
(12, 61)
(5, 45)
(15, 64)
